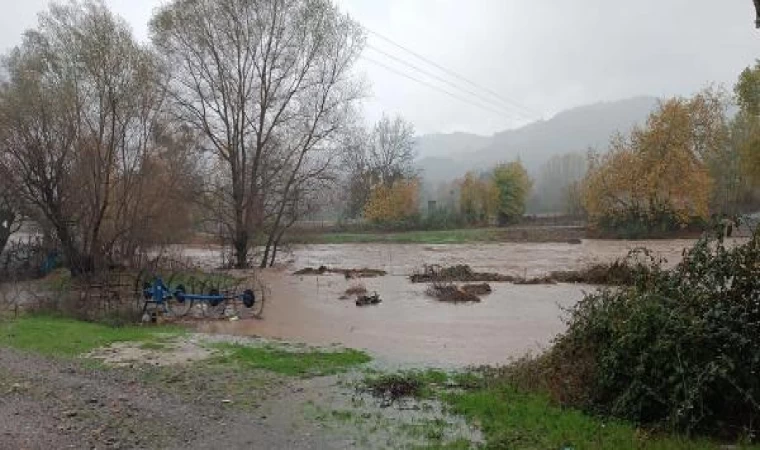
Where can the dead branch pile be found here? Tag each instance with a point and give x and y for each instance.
(461, 273)
(356, 289)
(449, 292)
(366, 300)
(618, 273)
(478, 289)
(348, 273)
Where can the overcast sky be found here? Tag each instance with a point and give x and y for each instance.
(544, 55)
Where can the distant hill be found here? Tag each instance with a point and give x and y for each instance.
(447, 156)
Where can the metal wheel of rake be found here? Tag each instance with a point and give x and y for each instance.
(258, 293)
(178, 305)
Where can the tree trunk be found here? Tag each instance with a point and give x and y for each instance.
(79, 263)
(275, 246)
(7, 218)
(241, 249)
(265, 258)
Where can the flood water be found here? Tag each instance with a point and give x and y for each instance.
(408, 327)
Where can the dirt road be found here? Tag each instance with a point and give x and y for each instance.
(52, 404)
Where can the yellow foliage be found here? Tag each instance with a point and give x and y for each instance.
(394, 203)
(658, 169)
(478, 198)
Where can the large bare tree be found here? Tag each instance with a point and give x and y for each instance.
(259, 78)
(77, 110)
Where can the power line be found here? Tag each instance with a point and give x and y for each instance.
(526, 109)
(432, 86)
(454, 85)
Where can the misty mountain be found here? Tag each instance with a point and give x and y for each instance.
(448, 156)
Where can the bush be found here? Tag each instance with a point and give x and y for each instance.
(442, 219)
(638, 225)
(676, 349)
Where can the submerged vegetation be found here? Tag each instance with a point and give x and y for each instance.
(623, 272)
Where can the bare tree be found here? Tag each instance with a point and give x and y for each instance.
(10, 219)
(383, 156)
(257, 77)
(295, 195)
(78, 108)
(391, 149)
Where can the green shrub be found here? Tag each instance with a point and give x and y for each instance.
(679, 348)
(636, 224)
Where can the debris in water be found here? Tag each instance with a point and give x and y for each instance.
(366, 300)
(356, 289)
(449, 292)
(463, 273)
(348, 273)
(394, 387)
(477, 289)
(312, 271)
(618, 273)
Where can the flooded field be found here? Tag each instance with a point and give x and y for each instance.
(408, 327)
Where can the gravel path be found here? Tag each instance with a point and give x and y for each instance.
(46, 404)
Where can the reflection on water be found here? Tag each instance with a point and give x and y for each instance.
(410, 328)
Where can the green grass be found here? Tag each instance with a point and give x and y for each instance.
(515, 419)
(519, 420)
(298, 363)
(460, 236)
(60, 337)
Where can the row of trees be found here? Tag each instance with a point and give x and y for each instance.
(237, 115)
(500, 194)
(691, 160)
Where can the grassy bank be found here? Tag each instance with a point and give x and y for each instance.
(401, 237)
(67, 338)
(526, 233)
(507, 417)
(292, 362)
(513, 419)
(61, 337)
(516, 419)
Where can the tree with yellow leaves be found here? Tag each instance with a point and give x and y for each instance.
(393, 204)
(657, 177)
(478, 198)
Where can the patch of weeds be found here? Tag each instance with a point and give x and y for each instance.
(410, 384)
(459, 444)
(62, 337)
(298, 363)
(467, 380)
(432, 431)
(342, 415)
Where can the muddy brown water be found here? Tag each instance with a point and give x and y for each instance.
(409, 328)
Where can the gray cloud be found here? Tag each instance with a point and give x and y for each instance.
(548, 55)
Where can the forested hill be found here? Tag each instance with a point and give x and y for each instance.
(447, 156)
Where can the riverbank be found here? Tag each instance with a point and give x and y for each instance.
(458, 236)
(57, 390)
